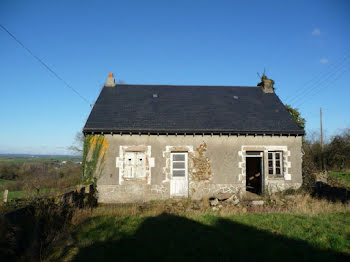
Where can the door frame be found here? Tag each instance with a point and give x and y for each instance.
(173, 179)
(256, 154)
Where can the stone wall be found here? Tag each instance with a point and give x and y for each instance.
(215, 164)
(132, 193)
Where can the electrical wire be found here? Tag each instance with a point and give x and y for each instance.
(305, 99)
(318, 78)
(311, 91)
(324, 77)
(45, 65)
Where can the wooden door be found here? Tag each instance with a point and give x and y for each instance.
(179, 175)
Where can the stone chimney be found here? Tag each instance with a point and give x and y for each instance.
(110, 80)
(267, 85)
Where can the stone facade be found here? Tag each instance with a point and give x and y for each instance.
(216, 164)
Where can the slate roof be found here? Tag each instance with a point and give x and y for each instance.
(189, 109)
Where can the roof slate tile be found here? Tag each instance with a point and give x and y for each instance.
(189, 109)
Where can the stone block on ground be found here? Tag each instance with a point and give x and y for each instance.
(6, 192)
(214, 202)
(236, 202)
(232, 198)
(223, 196)
(290, 197)
(257, 202)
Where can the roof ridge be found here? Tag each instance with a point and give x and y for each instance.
(150, 85)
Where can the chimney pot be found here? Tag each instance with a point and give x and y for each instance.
(110, 80)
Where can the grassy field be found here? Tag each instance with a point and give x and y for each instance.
(10, 159)
(210, 237)
(341, 177)
(5, 181)
(21, 194)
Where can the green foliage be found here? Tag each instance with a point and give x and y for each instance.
(37, 225)
(93, 152)
(341, 177)
(309, 168)
(337, 152)
(86, 148)
(296, 115)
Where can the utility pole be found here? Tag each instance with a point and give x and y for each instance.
(321, 138)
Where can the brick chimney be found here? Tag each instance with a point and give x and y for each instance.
(267, 85)
(110, 82)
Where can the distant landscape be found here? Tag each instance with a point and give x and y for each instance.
(27, 176)
(36, 157)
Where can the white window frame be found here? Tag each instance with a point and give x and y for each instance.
(172, 161)
(134, 166)
(274, 160)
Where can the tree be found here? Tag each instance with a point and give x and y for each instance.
(296, 115)
(338, 151)
(78, 144)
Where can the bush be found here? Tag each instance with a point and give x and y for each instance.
(309, 169)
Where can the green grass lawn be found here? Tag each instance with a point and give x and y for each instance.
(12, 195)
(16, 195)
(341, 177)
(5, 181)
(209, 237)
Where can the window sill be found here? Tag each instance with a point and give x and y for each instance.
(133, 181)
(274, 177)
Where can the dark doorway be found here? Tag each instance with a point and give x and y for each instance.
(254, 175)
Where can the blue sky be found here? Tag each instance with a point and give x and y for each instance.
(303, 45)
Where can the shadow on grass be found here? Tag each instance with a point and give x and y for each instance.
(325, 191)
(173, 238)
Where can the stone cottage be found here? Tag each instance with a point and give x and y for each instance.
(146, 142)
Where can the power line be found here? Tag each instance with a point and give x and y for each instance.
(318, 78)
(44, 64)
(303, 100)
(321, 86)
(324, 77)
(318, 85)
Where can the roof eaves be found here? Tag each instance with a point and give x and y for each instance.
(192, 131)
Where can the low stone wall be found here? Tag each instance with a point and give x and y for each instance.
(278, 186)
(81, 196)
(203, 189)
(131, 193)
(143, 192)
